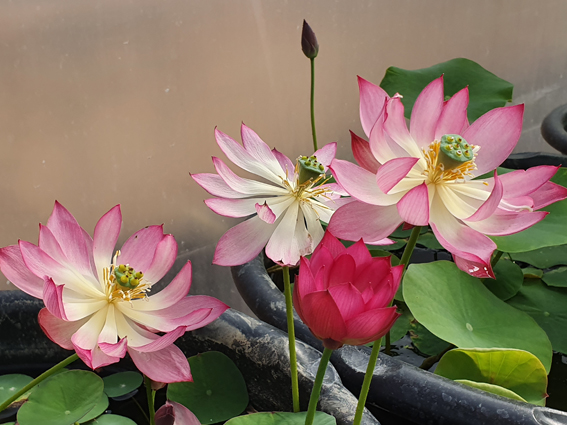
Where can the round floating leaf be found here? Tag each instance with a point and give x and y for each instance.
(98, 410)
(122, 383)
(544, 257)
(494, 389)
(63, 399)
(429, 240)
(218, 391)
(557, 277)
(11, 384)
(425, 341)
(509, 279)
(281, 418)
(486, 90)
(548, 306)
(515, 370)
(111, 420)
(459, 309)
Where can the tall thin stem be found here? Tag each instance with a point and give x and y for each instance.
(408, 250)
(313, 132)
(367, 380)
(496, 258)
(291, 337)
(40, 378)
(316, 391)
(151, 396)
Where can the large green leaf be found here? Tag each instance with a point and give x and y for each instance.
(557, 277)
(11, 384)
(281, 418)
(62, 399)
(509, 279)
(459, 309)
(486, 90)
(548, 306)
(544, 258)
(516, 370)
(98, 410)
(491, 388)
(218, 391)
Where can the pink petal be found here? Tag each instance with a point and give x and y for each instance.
(234, 207)
(305, 282)
(87, 335)
(342, 271)
(57, 330)
(360, 253)
(362, 153)
(53, 298)
(497, 133)
(243, 242)
(165, 255)
(162, 342)
(361, 183)
(247, 186)
(426, 112)
(172, 413)
(359, 220)
(548, 194)
(49, 244)
(216, 186)
(323, 317)
(193, 312)
(285, 163)
(396, 127)
(115, 350)
(140, 248)
(95, 358)
(106, 235)
(14, 268)
(525, 182)
(348, 300)
(332, 244)
(384, 293)
(370, 325)
(414, 206)
(71, 238)
(167, 365)
(109, 332)
(393, 171)
(490, 205)
(321, 266)
(41, 264)
(373, 276)
(503, 223)
(372, 100)
(453, 118)
(290, 240)
(258, 149)
(326, 154)
(265, 213)
(171, 294)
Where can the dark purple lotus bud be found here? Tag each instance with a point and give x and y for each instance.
(309, 43)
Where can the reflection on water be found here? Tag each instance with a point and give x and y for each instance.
(108, 102)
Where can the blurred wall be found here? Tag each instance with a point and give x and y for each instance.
(105, 102)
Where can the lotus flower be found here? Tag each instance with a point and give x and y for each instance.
(172, 413)
(343, 294)
(286, 214)
(424, 175)
(97, 299)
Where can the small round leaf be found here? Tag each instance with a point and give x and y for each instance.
(111, 420)
(10, 384)
(281, 418)
(122, 383)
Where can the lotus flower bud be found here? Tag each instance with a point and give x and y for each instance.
(172, 413)
(343, 294)
(309, 43)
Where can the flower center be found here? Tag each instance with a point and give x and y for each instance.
(451, 159)
(123, 283)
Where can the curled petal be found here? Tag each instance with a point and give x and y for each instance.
(525, 182)
(390, 174)
(490, 205)
(372, 101)
(115, 350)
(363, 154)
(53, 298)
(151, 364)
(162, 342)
(172, 413)
(265, 213)
(58, 330)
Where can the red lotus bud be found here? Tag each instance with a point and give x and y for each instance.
(309, 43)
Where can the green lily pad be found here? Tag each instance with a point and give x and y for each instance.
(548, 307)
(98, 410)
(122, 383)
(544, 258)
(515, 370)
(111, 420)
(429, 240)
(281, 418)
(63, 399)
(218, 391)
(399, 243)
(557, 277)
(494, 389)
(532, 273)
(11, 384)
(509, 279)
(486, 90)
(425, 341)
(459, 309)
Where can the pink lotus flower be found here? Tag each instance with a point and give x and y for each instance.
(172, 413)
(425, 175)
(97, 299)
(286, 214)
(343, 294)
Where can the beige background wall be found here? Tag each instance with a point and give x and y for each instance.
(105, 101)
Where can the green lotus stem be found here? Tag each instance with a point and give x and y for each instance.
(496, 258)
(291, 337)
(316, 391)
(410, 246)
(151, 395)
(367, 380)
(40, 378)
(313, 132)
